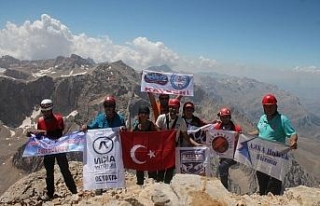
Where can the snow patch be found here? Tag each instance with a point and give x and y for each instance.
(72, 114)
(28, 122)
(12, 133)
(71, 74)
(43, 72)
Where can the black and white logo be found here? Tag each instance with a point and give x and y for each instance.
(103, 145)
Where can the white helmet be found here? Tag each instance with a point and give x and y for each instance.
(46, 105)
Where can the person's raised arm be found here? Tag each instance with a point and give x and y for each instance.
(255, 132)
(189, 139)
(154, 105)
(179, 97)
(152, 99)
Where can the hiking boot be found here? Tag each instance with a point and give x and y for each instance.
(98, 191)
(46, 197)
(75, 198)
(74, 192)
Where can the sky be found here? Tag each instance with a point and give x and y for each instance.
(270, 40)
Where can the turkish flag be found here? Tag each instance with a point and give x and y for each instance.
(148, 151)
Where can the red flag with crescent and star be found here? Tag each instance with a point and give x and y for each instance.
(148, 151)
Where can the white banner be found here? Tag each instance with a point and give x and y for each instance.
(220, 142)
(198, 134)
(167, 83)
(265, 156)
(102, 160)
(192, 160)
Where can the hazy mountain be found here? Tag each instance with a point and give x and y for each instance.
(162, 68)
(245, 95)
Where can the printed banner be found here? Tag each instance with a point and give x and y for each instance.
(265, 156)
(36, 146)
(198, 134)
(220, 142)
(167, 83)
(148, 151)
(102, 160)
(191, 160)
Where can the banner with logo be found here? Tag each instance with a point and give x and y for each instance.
(102, 160)
(191, 160)
(40, 146)
(198, 134)
(220, 142)
(265, 156)
(167, 83)
(148, 151)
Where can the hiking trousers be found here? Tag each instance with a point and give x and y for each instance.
(49, 161)
(224, 166)
(166, 175)
(140, 176)
(268, 184)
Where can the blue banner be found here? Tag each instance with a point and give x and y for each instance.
(73, 142)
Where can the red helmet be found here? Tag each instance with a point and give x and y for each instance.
(269, 99)
(109, 101)
(174, 103)
(188, 105)
(224, 112)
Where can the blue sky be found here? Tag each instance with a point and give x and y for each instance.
(237, 37)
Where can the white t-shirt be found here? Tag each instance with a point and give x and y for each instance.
(180, 124)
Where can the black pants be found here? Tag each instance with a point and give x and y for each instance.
(165, 175)
(268, 184)
(49, 161)
(140, 176)
(224, 166)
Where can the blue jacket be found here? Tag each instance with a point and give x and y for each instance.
(101, 121)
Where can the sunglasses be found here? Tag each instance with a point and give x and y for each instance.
(164, 98)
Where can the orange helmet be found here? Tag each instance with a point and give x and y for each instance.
(109, 101)
(269, 99)
(174, 103)
(224, 112)
(188, 105)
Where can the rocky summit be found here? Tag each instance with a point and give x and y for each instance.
(184, 190)
(77, 87)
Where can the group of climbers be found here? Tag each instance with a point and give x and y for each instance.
(166, 116)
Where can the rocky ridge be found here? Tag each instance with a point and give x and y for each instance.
(184, 190)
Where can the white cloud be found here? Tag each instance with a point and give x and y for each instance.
(308, 69)
(41, 39)
(49, 38)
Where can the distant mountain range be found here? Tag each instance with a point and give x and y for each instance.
(78, 86)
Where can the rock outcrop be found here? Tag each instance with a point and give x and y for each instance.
(184, 190)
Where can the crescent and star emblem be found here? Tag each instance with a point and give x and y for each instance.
(133, 154)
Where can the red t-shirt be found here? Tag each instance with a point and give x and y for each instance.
(54, 126)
